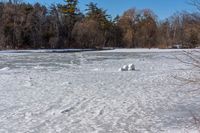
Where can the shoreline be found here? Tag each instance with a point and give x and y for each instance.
(123, 50)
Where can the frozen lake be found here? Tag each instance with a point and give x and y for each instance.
(85, 93)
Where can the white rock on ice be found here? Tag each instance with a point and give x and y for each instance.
(121, 69)
(125, 67)
(131, 67)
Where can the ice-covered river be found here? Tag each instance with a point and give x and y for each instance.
(85, 93)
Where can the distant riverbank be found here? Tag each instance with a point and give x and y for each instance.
(96, 49)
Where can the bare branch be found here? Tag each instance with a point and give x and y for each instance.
(195, 3)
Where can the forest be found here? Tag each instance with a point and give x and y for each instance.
(35, 26)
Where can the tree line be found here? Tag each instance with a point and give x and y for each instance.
(35, 26)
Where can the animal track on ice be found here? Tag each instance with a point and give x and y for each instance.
(67, 110)
(101, 112)
(77, 105)
(27, 115)
(53, 112)
(56, 110)
(28, 82)
(66, 83)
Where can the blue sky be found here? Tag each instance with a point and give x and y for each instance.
(162, 8)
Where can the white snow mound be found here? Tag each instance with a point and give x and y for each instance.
(130, 67)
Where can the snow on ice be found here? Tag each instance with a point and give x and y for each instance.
(85, 92)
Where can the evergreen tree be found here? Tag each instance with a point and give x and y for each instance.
(70, 8)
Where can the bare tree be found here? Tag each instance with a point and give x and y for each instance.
(195, 3)
(25, 26)
(91, 36)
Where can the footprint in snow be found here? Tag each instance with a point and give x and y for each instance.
(67, 110)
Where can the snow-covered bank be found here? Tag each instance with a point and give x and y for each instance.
(46, 51)
(85, 93)
(153, 50)
(102, 50)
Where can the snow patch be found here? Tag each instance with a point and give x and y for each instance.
(4, 69)
(38, 67)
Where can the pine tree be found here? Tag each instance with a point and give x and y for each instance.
(70, 8)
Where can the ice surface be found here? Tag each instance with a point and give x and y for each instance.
(85, 93)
